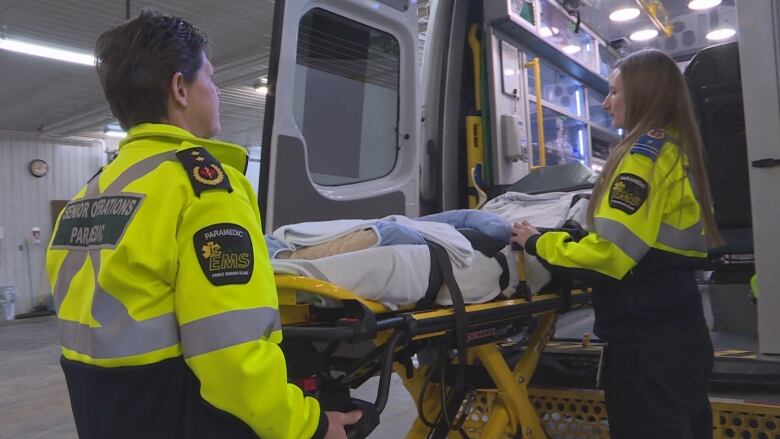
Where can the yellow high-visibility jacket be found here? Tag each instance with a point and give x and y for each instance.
(166, 301)
(648, 237)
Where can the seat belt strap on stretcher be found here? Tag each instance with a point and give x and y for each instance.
(443, 263)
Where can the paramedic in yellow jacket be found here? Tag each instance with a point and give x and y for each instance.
(651, 224)
(165, 297)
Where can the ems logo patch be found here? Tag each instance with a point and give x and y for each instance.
(225, 253)
(628, 193)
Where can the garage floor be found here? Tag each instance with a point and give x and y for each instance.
(34, 400)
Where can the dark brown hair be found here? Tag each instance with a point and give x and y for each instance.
(136, 60)
(656, 96)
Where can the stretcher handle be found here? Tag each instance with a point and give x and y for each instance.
(367, 423)
(338, 333)
(383, 390)
(370, 419)
(316, 333)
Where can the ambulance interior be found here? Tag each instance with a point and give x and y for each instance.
(372, 141)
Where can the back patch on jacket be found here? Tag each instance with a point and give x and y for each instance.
(92, 223)
(225, 253)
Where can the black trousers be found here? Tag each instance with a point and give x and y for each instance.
(658, 388)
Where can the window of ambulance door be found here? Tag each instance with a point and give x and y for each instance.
(346, 98)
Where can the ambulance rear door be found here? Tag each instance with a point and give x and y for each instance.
(342, 113)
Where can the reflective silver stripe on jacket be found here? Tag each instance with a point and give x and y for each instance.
(621, 236)
(228, 329)
(683, 239)
(119, 335)
(121, 338)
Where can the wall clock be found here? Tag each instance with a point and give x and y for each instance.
(39, 168)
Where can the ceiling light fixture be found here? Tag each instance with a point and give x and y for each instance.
(45, 51)
(644, 35)
(698, 5)
(721, 34)
(624, 14)
(571, 49)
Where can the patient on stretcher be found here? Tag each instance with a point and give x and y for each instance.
(389, 260)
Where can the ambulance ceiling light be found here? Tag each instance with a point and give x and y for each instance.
(624, 14)
(698, 5)
(720, 34)
(644, 35)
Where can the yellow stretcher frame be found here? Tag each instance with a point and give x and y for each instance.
(513, 411)
(512, 408)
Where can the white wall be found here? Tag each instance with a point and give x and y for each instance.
(25, 201)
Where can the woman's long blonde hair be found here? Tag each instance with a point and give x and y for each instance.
(656, 96)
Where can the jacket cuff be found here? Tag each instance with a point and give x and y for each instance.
(530, 244)
(322, 428)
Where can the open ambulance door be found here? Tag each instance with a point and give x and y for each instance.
(342, 113)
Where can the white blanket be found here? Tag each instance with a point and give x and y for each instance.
(544, 210)
(398, 275)
(312, 233)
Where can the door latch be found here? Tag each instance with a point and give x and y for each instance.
(766, 163)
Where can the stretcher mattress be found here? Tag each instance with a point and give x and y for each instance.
(399, 275)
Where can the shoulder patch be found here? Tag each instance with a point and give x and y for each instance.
(204, 171)
(628, 193)
(650, 144)
(225, 253)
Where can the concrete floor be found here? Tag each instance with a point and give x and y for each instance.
(34, 400)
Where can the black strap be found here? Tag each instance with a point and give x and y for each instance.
(491, 248)
(483, 243)
(435, 281)
(442, 260)
(503, 280)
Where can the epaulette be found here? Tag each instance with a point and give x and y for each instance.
(650, 143)
(204, 170)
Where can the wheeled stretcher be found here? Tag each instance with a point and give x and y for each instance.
(444, 355)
